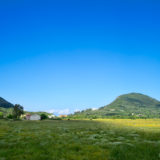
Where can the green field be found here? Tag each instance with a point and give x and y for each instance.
(80, 140)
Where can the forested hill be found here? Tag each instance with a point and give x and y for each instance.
(131, 105)
(5, 104)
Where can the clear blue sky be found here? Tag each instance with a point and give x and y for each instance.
(71, 55)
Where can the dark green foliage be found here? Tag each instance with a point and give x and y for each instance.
(10, 116)
(44, 116)
(132, 105)
(5, 104)
(17, 111)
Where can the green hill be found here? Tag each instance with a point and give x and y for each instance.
(131, 105)
(5, 107)
(5, 104)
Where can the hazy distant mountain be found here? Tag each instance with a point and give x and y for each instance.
(5, 104)
(127, 106)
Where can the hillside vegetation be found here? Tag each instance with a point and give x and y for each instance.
(133, 105)
(6, 107)
(5, 104)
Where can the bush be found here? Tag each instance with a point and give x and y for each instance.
(44, 116)
(10, 116)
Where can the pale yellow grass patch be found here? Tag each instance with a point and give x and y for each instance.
(153, 123)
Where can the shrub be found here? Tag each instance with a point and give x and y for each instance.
(44, 116)
(10, 116)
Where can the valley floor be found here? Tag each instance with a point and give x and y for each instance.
(80, 140)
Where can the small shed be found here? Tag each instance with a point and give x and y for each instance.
(35, 117)
(28, 116)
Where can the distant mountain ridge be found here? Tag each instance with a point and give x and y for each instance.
(5, 104)
(130, 105)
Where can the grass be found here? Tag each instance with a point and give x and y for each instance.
(80, 140)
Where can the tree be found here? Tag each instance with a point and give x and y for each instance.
(17, 111)
(43, 116)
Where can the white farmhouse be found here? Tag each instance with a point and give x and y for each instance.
(51, 116)
(35, 117)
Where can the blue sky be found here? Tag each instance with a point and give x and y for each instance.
(70, 55)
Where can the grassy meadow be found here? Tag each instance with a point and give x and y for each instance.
(109, 139)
